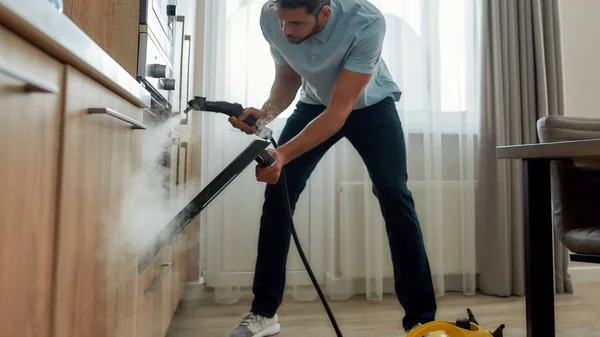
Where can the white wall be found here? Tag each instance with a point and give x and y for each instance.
(581, 47)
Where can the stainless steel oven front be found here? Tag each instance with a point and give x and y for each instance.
(160, 17)
(156, 52)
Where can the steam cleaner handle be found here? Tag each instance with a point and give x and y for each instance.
(265, 158)
(230, 109)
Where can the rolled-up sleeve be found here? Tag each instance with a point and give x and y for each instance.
(366, 51)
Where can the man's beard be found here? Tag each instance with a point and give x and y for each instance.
(315, 30)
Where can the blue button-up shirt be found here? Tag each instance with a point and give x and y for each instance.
(352, 39)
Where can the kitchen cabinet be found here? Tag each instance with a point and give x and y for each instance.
(31, 88)
(96, 271)
(153, 292)
(112, 24)
(181, 270)
(71, 144)
(160, 288)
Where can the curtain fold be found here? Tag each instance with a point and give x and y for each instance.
(522, 81)
(432, 49)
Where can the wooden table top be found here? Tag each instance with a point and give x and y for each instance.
(554, 150)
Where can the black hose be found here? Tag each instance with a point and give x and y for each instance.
(288, 210)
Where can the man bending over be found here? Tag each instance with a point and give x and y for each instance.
(331, 50)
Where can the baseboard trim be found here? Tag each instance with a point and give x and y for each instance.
(584, 273)
(345, 288)
(580, 273)
(195, 291)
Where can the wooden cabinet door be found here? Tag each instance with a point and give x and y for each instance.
(96, 267)
(147, 300)
(113, 25)
(154, 296)
(165, 309)
(180, 253)
(30, 102)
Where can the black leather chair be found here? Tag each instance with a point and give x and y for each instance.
(575, 188)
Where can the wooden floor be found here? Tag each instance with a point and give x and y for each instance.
(577, 315)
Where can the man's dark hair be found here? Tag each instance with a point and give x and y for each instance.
(311, 6)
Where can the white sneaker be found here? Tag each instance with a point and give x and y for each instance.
(253, 325)
(416, 326)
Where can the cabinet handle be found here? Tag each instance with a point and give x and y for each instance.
(31, 83)
(166, 269)
(118, 115)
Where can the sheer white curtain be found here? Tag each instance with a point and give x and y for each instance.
(432, 51)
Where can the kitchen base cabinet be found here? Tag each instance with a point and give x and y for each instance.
(112, 24)
(181, 270)
(150, 297)
(70, 149)
(160, 288)
(96, 282)
(31, 85)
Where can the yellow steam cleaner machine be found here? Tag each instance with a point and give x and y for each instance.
(463, 327)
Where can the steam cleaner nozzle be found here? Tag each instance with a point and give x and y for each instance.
(229, 109)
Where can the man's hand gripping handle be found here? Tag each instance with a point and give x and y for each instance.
(230, 109)
(234, 110)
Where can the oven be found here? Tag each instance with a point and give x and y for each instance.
(156, 54)
(156, 72)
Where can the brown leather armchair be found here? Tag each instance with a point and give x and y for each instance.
(575, 187)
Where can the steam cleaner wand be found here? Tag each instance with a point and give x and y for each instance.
(235, 110)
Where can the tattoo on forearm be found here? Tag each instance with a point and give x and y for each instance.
(282, 95)
(272, 109)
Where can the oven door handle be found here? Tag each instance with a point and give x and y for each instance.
(187, 83)
(180, 18)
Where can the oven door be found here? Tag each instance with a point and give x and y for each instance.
(154, 69)
(160, 17)
(165, 13)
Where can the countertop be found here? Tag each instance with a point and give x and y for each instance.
(553, 150)
(40, 23)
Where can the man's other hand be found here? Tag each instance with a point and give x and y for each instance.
(270, 174)
(239, 124)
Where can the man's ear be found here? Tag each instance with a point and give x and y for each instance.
(324, 14)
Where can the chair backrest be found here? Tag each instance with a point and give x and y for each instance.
(562, 128)
(575, 184)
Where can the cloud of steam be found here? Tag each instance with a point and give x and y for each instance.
(148, 205)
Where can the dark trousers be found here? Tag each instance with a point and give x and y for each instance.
(376, 133)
